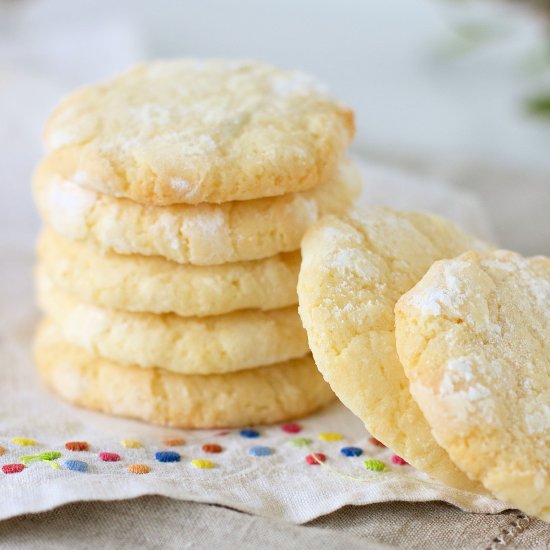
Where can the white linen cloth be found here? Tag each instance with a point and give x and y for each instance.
(281, 485)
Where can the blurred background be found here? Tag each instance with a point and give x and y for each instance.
(456, 90)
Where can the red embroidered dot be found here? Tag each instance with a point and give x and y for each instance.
(398, 460)
(212, 448)
(315, 458)
(375, 442)
(223, 432)
(292, 428)
(13, 468)
(109, 457)
(76, 446)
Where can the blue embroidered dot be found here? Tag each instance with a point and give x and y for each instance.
(260, 451)
(168, 456)
(351, 451)
(76, 465)
(250, 433)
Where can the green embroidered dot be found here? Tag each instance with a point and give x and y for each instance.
(24, 442)
(202, 463)
(374, 465)
(46, 455)
(300, 442)
(330, 436)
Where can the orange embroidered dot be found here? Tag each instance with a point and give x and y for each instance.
(330, 436)
(2, 450)
(77, 446)
(202, 463)
(139, 469)
(375, 442)
(173, 442)
(212, 448)
(130, 444)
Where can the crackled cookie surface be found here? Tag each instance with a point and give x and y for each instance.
(256, 396)
(190, 345)
(474, 338)
(186, 131)
(354, 269)
(205, 234)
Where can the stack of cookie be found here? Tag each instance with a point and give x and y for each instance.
(439, 343)
(175, 198)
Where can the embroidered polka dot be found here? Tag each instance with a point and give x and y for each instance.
(139, 469)
(250, 434)
(2, 450)
(76, 465)
(300, 442)
(212, 448)
(167, 456)
(24, 442)
(77, 446)
(174, 442)
(374, 465)
(399, 461)
(13, 468)
(46, 456)
(109, 457)
(330, 436)
(260, 451)
(202, 463)
(375, 442)
(130, 444)
(223, 432)
(316, 458)
(292, 428)
(351, 451)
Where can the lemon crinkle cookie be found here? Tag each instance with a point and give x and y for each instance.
(205, 234)
(256, 396)
(153, 284)
(474, 338)
(186, 131)
(354, 269)
(191, 345)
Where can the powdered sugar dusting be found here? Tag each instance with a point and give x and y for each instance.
(70, 204)
(180, 184)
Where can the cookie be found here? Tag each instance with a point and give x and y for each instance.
(186, 131)
(156, 285)
(206, 234)
(474, 338)
(257, 396)
(354, 269)
(188, 345)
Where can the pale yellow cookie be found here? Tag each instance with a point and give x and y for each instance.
(354, 269)
(156, 285)
(189, 345)
(206, 234)
(186, 131)
(256, 396)
(474, 338)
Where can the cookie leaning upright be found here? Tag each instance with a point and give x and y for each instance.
(354, 269)
(188, 131)
(474, 338)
